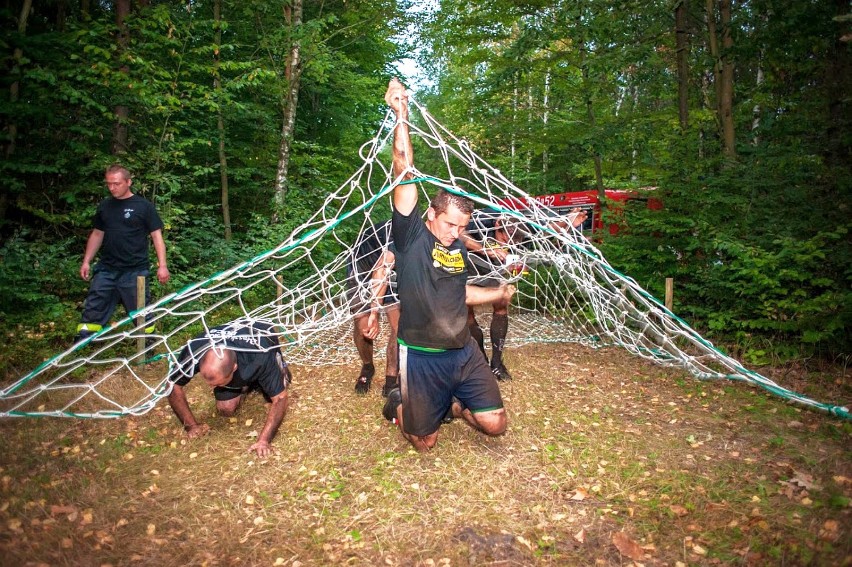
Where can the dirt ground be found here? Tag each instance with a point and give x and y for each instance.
(608, 460)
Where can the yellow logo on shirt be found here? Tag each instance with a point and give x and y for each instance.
(451, 261)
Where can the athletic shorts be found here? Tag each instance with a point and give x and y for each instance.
(225, 393)
(428, 382)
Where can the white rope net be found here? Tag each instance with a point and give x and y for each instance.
(567, 292)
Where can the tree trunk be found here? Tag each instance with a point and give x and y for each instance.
(713, 46)
(755, 112)
(682, 46)
(15, 87)
(119, 135)
(220, 121)
(838, 79)
(726, 103)
(513, 136)
(61, 14)
(545, 117)
(293, 73)
(590, 113)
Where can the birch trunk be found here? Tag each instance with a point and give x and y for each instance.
(220, 121)
(293, 71)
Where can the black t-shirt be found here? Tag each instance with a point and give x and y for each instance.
(368, 249)
(258, 353)
(126, 224)
(431, 280)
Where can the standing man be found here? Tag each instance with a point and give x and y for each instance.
(442, 371)
(233, 359)
(122, 224)
(487, 238)
(369, 292)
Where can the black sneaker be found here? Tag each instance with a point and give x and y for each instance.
(393, 402)
(362, 385)
(501, 373)
(391, 382)
(448, 417)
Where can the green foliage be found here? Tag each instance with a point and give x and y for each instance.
(34, 279)
(758, 245)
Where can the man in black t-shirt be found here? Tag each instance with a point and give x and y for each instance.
(122, 225)
(369, 291)
(233, 359)
(442, 371)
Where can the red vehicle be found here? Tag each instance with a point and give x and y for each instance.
(563, 203)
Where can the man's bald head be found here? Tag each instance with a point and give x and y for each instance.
(217, 366)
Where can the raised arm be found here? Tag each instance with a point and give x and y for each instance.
(404, 196)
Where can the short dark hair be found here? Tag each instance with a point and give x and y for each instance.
(118, 168)
(443, 199)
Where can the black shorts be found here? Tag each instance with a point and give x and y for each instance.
(428, 382)
(359, 293)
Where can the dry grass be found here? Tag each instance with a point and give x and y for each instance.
(599, 444)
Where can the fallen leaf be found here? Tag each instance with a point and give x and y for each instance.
(579, 494)
(678, 510)
(151, 530)
(249, 422)
(580, 536)
(57, 510)
(67, 543)
(698, 550)
(627, 546)
(524, 541)
(249, 499)
(805, 481)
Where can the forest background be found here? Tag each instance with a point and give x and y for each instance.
(238, 118)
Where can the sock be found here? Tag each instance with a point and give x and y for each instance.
(499, 328)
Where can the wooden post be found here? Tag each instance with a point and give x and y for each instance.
(669, 293)
(140, 319)
(279, 287)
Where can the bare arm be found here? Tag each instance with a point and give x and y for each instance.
(379, 279)
(96, 238)
(476, 295)
(180, 405)
(274, 417)
(474, 245)
(404, 196)
(160, 248)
